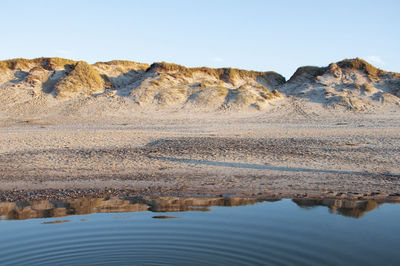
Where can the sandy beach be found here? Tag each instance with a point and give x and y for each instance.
(355, 156)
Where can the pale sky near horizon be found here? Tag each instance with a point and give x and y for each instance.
(258, 35)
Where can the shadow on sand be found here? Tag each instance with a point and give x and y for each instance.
(267, 167)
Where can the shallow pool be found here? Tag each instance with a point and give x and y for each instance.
(285, 232)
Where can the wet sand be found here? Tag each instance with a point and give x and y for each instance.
(248, 156)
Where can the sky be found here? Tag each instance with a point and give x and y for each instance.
(248, 34)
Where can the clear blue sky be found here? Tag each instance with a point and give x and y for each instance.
(259, 35)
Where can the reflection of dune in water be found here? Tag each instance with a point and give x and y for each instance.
(44, 209)
(59, 208)
(349, 208)
(56, 208)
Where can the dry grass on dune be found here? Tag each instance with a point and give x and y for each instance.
(53, 63)
(82, 78)
(48, 63)
(18, 63)
(227, 75)
(372, 72)
(125, 63)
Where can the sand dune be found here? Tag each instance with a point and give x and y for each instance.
(58, 88)
(353, 84)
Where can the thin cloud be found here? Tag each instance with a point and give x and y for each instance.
(217, 59)
(62, 52)
(375, 59)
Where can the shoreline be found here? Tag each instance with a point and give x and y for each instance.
(32, 195)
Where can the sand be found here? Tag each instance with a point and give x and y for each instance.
(246, 154)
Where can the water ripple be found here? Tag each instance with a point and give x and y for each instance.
(254, 235)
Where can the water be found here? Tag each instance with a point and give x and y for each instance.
(285, 232)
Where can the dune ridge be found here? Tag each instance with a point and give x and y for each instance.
(351, 83)
(45, 86)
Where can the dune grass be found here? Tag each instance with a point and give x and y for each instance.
(372, 72)
(82, 78)
(18, 63)
(368, 87)
(27, 64)
(125, 63)
(227, 75)
(222, 91)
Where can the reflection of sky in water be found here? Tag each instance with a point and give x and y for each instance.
(261, 233)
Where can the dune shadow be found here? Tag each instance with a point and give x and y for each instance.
(49, 85)
(19, 76)
(124, 83)
(267, 167)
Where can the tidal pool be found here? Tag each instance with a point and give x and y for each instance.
(190, 231)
